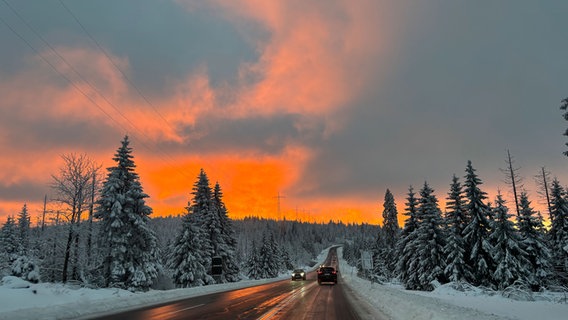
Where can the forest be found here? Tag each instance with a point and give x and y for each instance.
(103, 236)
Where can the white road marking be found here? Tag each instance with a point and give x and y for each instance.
(188, 308)
(292, 296)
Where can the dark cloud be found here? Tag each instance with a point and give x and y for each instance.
(162, 41)
(28, 133)
(468, 82)
(23, 191)
(262, 134)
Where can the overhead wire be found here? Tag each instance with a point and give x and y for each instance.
(75, 85)
(55, 68)
(109, 58)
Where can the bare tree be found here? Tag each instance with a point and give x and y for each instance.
(542, 180)
(95, 185)
(73, 189)
(512, 178)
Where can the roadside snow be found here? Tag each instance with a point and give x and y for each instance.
(22, 300)
(447, 303)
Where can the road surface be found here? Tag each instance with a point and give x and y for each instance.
(278, 300)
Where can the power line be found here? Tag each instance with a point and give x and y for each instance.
(77, 87)
(55, 69)
(114, 64)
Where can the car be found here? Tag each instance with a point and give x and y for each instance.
(298, 274)
(327, 274)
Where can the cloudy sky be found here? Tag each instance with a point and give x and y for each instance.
(326, 102)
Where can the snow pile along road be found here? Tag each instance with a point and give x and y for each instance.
(20, 299)
(446, 303)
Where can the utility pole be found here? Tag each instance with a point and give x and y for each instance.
(43, 215)
(279, 197)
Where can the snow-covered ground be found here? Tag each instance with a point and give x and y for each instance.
(22, 300)
(447, 303)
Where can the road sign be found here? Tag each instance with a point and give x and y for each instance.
(366, 260)
(216, 266)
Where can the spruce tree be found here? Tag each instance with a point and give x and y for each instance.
(380, 256)
(476, 233)
(9, 244)
(227, 242)
(531, 231)
(24, 231)
(189, 255)
(204, 216)
(509, 257)
(391, 233)
(9, 239)
(129, 246)
(455, 220)
(429, 240)
(405, 246)
(558, 235)
(390, 220)
(253, 266)
(268, 259)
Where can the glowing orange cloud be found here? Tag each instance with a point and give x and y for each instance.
(314, 61)
(249, 182)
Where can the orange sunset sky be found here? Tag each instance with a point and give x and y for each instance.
(325, 103)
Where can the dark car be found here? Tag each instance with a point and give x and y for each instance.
(298, 274)
(327, 274)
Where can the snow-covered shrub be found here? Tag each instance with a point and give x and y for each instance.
(519, 290)
(460, 286)
(26, 269)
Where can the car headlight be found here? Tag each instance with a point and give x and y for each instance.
(302, 274)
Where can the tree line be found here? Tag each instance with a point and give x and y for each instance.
(473, 241)
(101, 235)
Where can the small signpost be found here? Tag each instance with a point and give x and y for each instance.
(367, 263)
(217, 268)
(366, 260)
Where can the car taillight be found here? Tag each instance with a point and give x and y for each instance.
(334, 272)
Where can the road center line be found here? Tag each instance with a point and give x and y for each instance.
(188, 308)
(292, 296)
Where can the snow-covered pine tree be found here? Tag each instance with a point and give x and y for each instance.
(429, 240)
(9, 242)
(189, 254)
(391, 233)
(476, 233)
(455, 220)
(9, 245)
(510, 259)
(205, 218)
(558, 234)
(390, 220)
(227, 244)
(268, 262)
(275, 256)
(129, 247)
(531, 230)
(381, 256)
(253, 266)
(407, 255)
(24, 231)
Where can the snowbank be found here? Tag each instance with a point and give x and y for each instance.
(20, 299)
(448, 303)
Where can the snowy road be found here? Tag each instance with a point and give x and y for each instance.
(279, 300)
